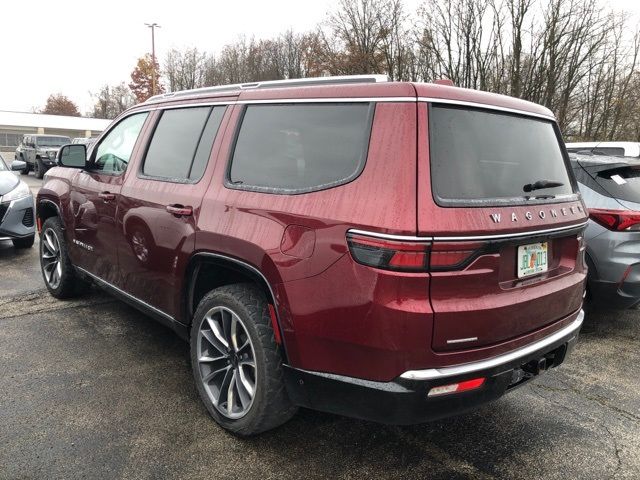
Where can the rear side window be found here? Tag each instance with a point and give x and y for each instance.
(182, 142)
(300, 148)
(621, 182)
(478, 156)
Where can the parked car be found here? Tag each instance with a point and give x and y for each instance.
(618, 149)
(397, 252)
(39, 152)
(610, 188)
(16, 207)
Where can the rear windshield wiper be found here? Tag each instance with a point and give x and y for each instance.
(540, 184)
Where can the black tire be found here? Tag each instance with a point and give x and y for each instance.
(38, 168)
(270, 406)
(69, 284)
(24, 242)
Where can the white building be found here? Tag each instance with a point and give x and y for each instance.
(13, 125)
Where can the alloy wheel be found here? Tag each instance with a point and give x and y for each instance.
(51, 261)
(226, 360)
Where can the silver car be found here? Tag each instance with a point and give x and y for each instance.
(610, 187)
(17, 219)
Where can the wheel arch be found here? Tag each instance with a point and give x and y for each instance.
(209, 270)
(46, 209)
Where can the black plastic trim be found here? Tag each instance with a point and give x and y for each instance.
(403, 401)
(247, 267)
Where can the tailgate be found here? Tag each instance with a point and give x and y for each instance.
(497, 196)
(487, 302)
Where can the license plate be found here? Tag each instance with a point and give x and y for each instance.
(532, 259)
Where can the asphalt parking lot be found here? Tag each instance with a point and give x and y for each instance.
(91, 388)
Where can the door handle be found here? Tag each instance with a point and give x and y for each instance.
(179, 210)
(107, 196)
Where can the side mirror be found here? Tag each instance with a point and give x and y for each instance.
(18, 165)
(72, 156)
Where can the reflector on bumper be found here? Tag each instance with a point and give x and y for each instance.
(456, 387)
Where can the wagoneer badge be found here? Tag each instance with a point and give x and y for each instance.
(553, 212)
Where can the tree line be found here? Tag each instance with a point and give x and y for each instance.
(576, 57)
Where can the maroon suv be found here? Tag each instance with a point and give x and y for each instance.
(390, 251)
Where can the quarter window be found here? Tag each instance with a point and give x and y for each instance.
(114, 151)
(300, 148)
(182, 142)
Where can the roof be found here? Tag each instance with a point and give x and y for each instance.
(590, 159)
(347, 87)
(60, 122)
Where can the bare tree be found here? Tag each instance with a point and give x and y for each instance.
(574, 56)
(185, 69)
(111, 101)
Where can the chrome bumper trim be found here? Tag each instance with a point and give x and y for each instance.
(436, 373)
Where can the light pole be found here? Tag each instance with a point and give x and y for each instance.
(153, 27)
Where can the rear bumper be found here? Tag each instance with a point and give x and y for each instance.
(405, 401)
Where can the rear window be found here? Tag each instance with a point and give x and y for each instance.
(300, 148)
(622, 183)
(479, 156)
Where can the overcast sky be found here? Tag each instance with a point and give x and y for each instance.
(73, 47)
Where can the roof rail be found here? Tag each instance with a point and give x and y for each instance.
(293, 82)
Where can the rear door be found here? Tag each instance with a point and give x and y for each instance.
(497, 196)
(160, 203)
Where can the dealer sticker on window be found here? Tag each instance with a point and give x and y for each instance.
(532, 259)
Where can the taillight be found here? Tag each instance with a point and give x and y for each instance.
(411, 256)
(617, 220)
(389, 254)
(453, 255)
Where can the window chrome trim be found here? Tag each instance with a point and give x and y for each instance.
(438, 373)
(462, 103)
(329, 100)
(409, 238)
(128, 295)
(160, 106)
(531, 233)
(387, 236)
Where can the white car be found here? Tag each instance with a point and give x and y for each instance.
(616, 149)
